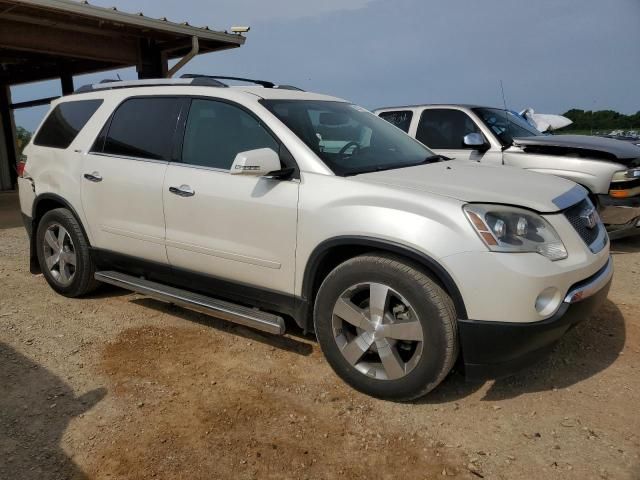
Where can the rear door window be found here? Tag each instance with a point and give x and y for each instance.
(65, 122)
(399, 118)
(445, 128)
(141, 128)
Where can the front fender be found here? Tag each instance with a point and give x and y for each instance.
(432, 265)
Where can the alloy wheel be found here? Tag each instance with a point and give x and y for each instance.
(60, 254)
(377, 331)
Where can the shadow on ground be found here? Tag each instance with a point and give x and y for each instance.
(626, 245)
(287, 343)
(583, 352)
(35, 408)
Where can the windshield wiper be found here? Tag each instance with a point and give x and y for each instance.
(435, 158)
(375, 169)
(382, 168)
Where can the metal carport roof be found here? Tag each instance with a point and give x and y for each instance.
(48, 39)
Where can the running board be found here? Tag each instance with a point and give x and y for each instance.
(249, 317)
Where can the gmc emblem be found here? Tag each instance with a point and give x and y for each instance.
(590, 217)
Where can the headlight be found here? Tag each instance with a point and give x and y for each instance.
(510, 229)
(626, 175)
(625, 183)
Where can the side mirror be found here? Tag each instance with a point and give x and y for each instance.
(256, 163)
(475, 140)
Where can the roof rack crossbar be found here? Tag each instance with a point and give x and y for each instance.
(264, 83)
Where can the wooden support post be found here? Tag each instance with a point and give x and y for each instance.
(8, 175)
(66, 82)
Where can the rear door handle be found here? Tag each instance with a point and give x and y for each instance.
(93, 177)
(183, 191)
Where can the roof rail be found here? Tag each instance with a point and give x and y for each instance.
(153, 82)
(264, 83)
(186, 79)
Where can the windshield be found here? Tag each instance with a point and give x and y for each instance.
(496, 120)
(348, 138)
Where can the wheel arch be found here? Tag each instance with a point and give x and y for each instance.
(330, 253)
(42, 204)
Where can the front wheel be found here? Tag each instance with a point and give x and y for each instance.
(385, 327)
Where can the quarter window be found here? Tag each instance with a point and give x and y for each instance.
(65, 122)
(142, 128)
(217, 131)
(445, 128)
(399, 118)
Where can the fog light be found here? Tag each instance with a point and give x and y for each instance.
(548, 301)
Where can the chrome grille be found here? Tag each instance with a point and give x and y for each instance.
(578, 216)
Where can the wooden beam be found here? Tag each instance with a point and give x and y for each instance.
(19, 76)
(55, 41)
(33, 103)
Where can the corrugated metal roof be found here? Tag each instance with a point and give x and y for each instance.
(138, 20)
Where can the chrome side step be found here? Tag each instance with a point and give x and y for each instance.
(249, 317)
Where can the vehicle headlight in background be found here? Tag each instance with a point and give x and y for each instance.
(625, 183)
(510, 229)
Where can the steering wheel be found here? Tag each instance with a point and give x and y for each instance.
(343, 150)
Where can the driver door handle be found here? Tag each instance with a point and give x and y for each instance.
(93, 177)
(183, 191)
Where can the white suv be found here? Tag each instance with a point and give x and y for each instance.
(263, 203)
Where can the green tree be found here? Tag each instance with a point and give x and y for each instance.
(22, 139)
(601, 120)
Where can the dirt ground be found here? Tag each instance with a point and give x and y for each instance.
(119, 386)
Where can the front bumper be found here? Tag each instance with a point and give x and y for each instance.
(498, 349)
(620, 215)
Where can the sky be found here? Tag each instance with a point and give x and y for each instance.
(551, 55)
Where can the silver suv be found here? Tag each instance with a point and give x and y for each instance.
(266, 205)
(608, 168)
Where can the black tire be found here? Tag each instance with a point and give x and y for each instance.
(83, 280)
(433, 307)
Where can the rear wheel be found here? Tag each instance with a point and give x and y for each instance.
(63, 254)
(386, 327)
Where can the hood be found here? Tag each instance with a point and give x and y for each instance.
(472, 182)
(598, 148)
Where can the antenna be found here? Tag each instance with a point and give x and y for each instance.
(506, 116)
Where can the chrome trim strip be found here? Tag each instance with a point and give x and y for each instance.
(570, 197)
(601, 240)
(594, 285)
(199, 167)
(221, 170)
(231, 312)
(124, 157)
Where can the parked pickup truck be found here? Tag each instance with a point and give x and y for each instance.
(608, 168)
